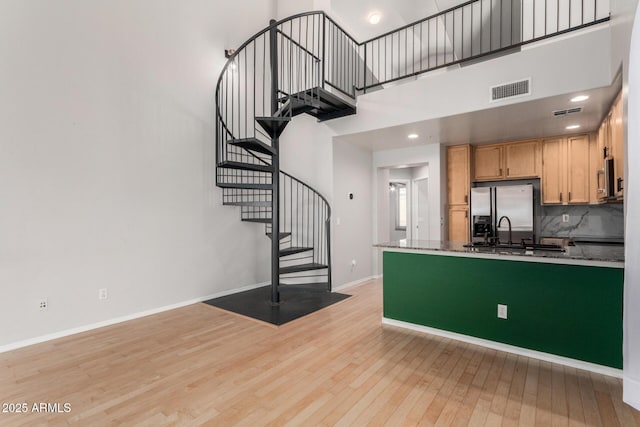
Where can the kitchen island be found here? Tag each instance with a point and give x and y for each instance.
(566, 304)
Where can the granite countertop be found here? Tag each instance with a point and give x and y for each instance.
(581, 252)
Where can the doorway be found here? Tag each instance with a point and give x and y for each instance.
(404, 211)
(399, 210)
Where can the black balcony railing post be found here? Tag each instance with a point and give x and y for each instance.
(324, 49)
(275, 174)
(364, 71)
(328, 252)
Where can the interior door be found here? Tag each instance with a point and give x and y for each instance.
(422, 209)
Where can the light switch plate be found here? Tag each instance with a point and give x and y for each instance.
(502, 311)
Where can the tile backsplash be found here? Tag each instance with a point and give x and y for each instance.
(585, 221)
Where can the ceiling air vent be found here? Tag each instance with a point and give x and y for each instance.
(568, 111)
(510, 90)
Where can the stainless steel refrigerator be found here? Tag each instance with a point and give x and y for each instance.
(490, 204)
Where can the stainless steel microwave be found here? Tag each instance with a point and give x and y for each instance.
(606, 180)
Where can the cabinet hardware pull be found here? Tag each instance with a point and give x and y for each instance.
(620, 188)
(507, 171)
(466, 198)
(604, 150)
(500, 172)
(569, 197)
(561, 197)
(466, 214)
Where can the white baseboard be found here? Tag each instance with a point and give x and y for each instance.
(579, 364)
(631, 392)
(354, 283)
(84, 328)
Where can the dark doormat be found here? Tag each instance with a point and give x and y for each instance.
(294, 304)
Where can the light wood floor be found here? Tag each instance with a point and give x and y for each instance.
(201, 366)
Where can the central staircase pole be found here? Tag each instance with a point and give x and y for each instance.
(275, 162)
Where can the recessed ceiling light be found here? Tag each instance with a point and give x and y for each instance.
(571, 127)
(374, 18)
(579, 98)
(412, 136)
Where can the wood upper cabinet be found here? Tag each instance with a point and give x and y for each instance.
(513, 160)
(566, 170)
(617, 145)
(578, 170)
(595, 164)
(488, 163)
(459, 224)
(553, 161)
(522, 159)
(458, 174)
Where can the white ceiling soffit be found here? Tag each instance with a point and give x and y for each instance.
(524, 120)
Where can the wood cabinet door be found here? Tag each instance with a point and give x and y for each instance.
(488, 163)
(458, 162)
(617, 144)
(595, 164)
(522, 159)
(578, 170)
(459, 224)
(553, 165)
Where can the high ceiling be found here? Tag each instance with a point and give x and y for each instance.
(532, 119)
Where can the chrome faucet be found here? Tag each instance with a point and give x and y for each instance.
(509, 223)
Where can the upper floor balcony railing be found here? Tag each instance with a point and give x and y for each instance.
(469, 31)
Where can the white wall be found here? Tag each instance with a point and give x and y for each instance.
(352, 238)
(286, 8)
(306, 152)
(334, 169)
(631, 354)
(107, 172)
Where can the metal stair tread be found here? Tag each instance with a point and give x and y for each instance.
(294, 250)
(246, 166)
(293, 106)
(248, 203)
(245, 186)
(273, 125)
(323, 104)
(282, 235)
(302, 267)
(253, 144)
(259, 220)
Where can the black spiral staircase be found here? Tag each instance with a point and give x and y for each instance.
(307, 64)
(277, 75)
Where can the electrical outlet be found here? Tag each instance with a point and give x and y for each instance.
(102, 293)
(565, 217)
(43, 304)
(502, 311)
